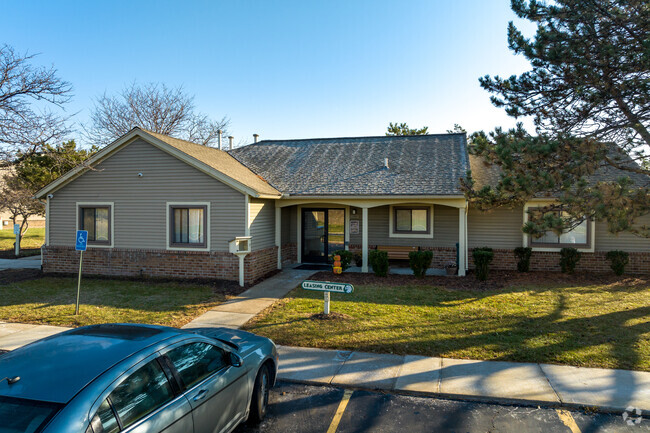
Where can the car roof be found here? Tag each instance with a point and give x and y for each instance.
(56, 368)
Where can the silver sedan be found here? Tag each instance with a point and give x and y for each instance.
(136, 378)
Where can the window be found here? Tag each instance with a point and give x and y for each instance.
(97, 221)
(578, 237)
(187, 226)
(141, 393)
(411, 220)
(104, 420)
(25, 416)
(196, 361)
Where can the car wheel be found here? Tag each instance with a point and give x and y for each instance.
(260, 398)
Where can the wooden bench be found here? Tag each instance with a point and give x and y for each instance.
(397, 253)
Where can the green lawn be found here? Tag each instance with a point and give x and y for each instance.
(33, 238)
(52, 301)
(601, 324)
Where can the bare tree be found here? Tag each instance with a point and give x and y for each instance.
(23, 127)
(154, 107)
(17, 198)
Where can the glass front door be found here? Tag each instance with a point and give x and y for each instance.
(323, 232)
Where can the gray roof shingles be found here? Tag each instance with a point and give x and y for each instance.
(417, 165)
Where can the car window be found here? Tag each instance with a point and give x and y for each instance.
(18, 415)
(104, 420)
(196, 361)
(141, 393)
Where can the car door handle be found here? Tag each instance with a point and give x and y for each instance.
(201, 395)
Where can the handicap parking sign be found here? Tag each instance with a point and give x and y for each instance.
(82, 240)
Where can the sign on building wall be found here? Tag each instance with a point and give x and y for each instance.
(354, 227)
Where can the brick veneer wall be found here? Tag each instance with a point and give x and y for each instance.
(160, 263)
(290, 252)
(550, 261)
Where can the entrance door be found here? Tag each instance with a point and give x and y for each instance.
(323, 232)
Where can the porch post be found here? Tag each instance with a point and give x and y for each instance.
(278, 234)
(364, 239)
(462, 242)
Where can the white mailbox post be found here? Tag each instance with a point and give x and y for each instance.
(240, 246)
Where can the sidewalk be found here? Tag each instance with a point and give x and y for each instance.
(603, 390)
(239, 310)
(31, 262)
(15, 335)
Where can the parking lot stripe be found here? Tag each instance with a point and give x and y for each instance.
(567, 420)
(339, 412)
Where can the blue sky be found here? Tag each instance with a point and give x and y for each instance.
(283, 69)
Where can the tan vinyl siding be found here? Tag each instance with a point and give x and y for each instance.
(140, 202)
(445, 228)
(606, 241)
(262, 220)
(498, 229)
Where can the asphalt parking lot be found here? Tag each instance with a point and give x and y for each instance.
(313, 409)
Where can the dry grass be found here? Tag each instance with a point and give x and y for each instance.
(595, 322)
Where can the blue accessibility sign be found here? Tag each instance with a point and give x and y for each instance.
(82, 240)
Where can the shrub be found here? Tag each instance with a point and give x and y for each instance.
(523, 258)
(358, 259)
(419, 261)
(346, 258)
(569, 258)
(379, 262)
(619, 260)
(482, 259)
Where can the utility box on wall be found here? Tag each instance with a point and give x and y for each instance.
(240, 245)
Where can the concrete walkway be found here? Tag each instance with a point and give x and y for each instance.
(31, 262)
(508, 382)
(14, 335)
(239, 310)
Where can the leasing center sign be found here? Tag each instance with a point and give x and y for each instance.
(326, 286)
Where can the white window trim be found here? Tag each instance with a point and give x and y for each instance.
(111, 225)
(391, 231)
(168, 229)
(592, 232)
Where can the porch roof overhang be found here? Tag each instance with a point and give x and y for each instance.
(457, 201)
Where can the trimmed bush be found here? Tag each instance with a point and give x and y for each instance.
(379, 262)
(523, 258)
(419, 261)
(346, 258)
(569, 258)
(619, 260)
(482, 259)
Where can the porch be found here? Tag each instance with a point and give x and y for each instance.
(310, 230)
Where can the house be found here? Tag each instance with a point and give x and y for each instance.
(158, 206)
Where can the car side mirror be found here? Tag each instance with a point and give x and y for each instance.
(235, 360)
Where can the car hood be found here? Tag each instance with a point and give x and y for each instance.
(244, 342)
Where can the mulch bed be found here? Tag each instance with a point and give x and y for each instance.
(496, 280)
(24, 252)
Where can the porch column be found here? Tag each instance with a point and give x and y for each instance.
(364, 239)
(278, 234)
(462, 242)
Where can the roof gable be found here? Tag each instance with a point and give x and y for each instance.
(214, 162)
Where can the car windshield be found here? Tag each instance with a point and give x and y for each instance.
(18, 415)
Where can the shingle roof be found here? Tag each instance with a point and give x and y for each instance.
(220, 161)
(417, 165)
(486, 174)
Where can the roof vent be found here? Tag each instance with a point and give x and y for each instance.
(256, 137)
(230, 139)
(219, 132)
(385, 162)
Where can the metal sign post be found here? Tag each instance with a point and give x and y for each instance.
(327, 287)
(17, 245)
(80, 245)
